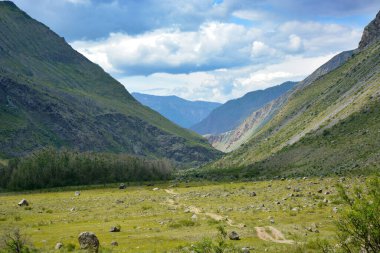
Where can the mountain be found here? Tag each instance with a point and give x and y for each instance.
(233, 139)
(229, 115)
(50, 95)
(183, 112)
(329, 126)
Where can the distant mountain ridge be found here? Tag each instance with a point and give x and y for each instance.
(184, 113)
(233, 139)
(231, 114)
(50, 95)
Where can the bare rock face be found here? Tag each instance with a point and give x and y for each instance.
(88, 241)
(371, 33)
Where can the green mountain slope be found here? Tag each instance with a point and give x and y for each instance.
(231, 114)
(316, 128)
(52, 95)
(183, 112)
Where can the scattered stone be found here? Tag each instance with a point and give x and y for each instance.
(77, 193)
(114, 243)
(115, 229)
(253, 194)
(327, 193)
(325, 200)
(58, 245)
(23, 202)
(288, 187)
(156, 189)
(72, 209)
(122, 186)
(119, 201)
(269, 185)
(187, 210)
(304, 178)
(297, 190)
(233, 236)
(245, 250)
(320, 191)
(194, 217)
(278, 202)
(271, 219)
(335, 209)
(282, 179)
(295, 209)
(88, 241)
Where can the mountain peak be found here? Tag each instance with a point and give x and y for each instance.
(371, 32)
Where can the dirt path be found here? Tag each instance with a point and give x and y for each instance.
(198, 211)
(272, 234)
(170, 191)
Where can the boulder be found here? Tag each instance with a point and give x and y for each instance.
(233, 236)
(115, 229)
(88, 241)
(122, 186)
(59, 245)
(23, 202)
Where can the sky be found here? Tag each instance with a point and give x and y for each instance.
(213, 50)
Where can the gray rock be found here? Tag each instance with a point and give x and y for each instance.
(58, 245)
(23, 202)
(114, 243)
(335, 209)
(77, 193)
(88, 241)
(122, 186)
(371, 33)
(253, 194)
(115, 229)
(245, 250)
(233, 236)
(320, 191)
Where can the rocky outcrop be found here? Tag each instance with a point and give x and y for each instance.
(88, 241)
(371, 33)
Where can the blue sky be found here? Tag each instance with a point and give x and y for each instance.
(206, 49)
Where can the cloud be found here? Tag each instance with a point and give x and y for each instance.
(214, 45)
(224, 84)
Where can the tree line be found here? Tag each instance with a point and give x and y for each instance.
(56, 168)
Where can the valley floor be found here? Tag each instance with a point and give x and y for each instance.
(284, 216)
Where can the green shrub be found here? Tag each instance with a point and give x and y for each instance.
(359, 225)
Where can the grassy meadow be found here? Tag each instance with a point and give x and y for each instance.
(287, 215)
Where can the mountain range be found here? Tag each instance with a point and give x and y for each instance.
(184, 113)
(51, 95)
(232, 113)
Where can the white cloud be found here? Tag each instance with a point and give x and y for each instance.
(224, 84)
(219, 61)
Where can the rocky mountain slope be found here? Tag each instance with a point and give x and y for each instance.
(328, 126)
(183, 112)
(229, 115)
(50, 95)
(233, 139)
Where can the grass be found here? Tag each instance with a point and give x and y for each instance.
(157, 221)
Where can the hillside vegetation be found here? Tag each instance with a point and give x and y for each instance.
(50, 95)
